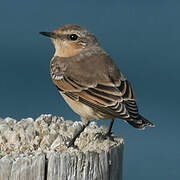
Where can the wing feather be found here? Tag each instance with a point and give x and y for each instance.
(116, 100)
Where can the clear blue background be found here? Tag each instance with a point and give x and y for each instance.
(143, 37)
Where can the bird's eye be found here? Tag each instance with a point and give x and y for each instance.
(73, 37)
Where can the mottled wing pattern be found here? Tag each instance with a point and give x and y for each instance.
(115, 100)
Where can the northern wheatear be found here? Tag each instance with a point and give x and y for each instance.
(89, 81)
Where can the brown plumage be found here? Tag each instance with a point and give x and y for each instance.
(88, 79)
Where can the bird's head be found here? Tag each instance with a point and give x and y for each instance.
(71, 40)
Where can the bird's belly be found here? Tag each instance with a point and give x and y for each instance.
(86, 113)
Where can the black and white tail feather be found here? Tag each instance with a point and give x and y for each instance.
(141, 124)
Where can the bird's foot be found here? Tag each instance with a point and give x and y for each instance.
(71, 143)
(101, 136)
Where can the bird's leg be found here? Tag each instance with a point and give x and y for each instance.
(71, 143)
(110, 128)
(108, 134)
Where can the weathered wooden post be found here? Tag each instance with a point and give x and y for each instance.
(36, 150)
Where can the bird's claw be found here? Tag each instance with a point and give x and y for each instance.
(104, 136)
(71, 144)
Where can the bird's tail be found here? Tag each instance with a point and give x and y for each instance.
(141, 123)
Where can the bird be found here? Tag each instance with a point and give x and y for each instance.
(89, 80)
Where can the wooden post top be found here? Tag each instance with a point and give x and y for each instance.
(36, 149)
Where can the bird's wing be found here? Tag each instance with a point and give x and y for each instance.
(115, 99)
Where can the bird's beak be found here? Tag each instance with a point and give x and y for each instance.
(49, 34)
